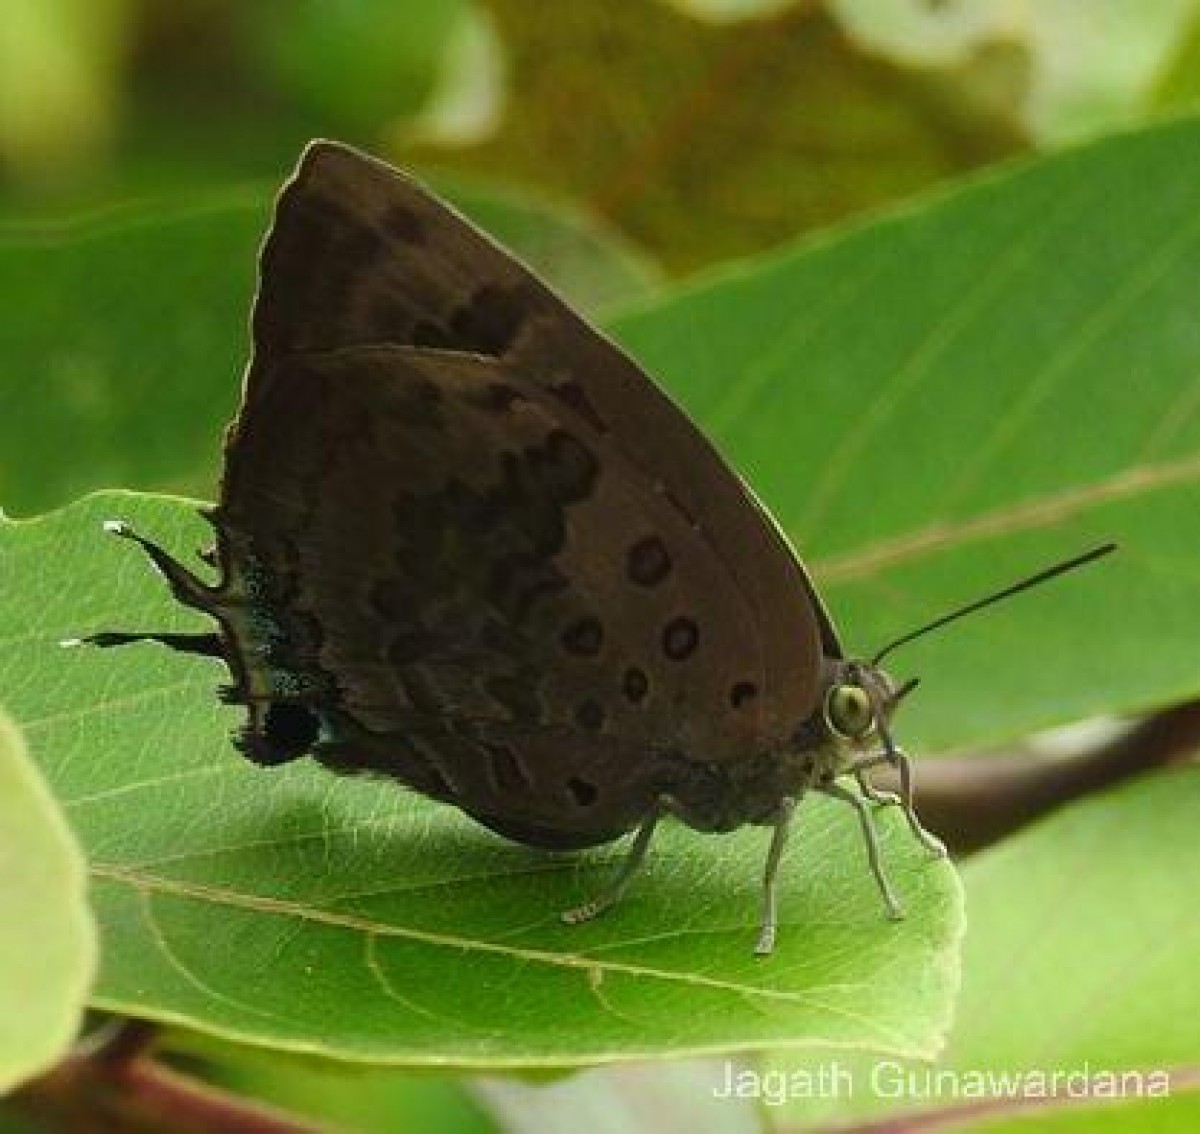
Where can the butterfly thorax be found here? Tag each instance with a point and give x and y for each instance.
(725, 796)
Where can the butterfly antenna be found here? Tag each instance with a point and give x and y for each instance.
(1008, 592)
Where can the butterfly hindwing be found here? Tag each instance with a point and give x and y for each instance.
(484, 569)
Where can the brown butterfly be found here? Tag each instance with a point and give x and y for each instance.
(466, 543)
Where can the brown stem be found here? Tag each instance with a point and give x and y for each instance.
(121, 1042)
(972, 801)
(111, 1087)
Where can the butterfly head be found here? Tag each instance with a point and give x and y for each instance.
(860, 696)
(858, 705)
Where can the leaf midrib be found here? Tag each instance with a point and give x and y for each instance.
(593, 968)
(1042, 512)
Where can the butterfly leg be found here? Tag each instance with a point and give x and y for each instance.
(208, 645)
(186, 588)
(903, 765)
(898, 759)
(770, 918)
(859, 770)
(867, 820)
(615, 890)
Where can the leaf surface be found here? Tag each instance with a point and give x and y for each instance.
(295, 909)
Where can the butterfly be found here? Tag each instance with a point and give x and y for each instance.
(464, 542)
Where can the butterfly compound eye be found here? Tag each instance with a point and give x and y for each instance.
(849, 712)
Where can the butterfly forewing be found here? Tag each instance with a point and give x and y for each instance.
(359, 254)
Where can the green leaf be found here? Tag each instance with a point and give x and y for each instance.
(128, 332)
(945, 400)
(1098, 905)
(47, 938)
(1081, 958)
(342, 916)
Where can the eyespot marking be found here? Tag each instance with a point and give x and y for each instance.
(680, 638)
(647, 562)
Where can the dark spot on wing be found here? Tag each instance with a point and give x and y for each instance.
(490, 320)
(635, 684)
(680, 638)
(742, 694)
(582, 792)
(565, 466)
(647, 562)
(291, 727)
